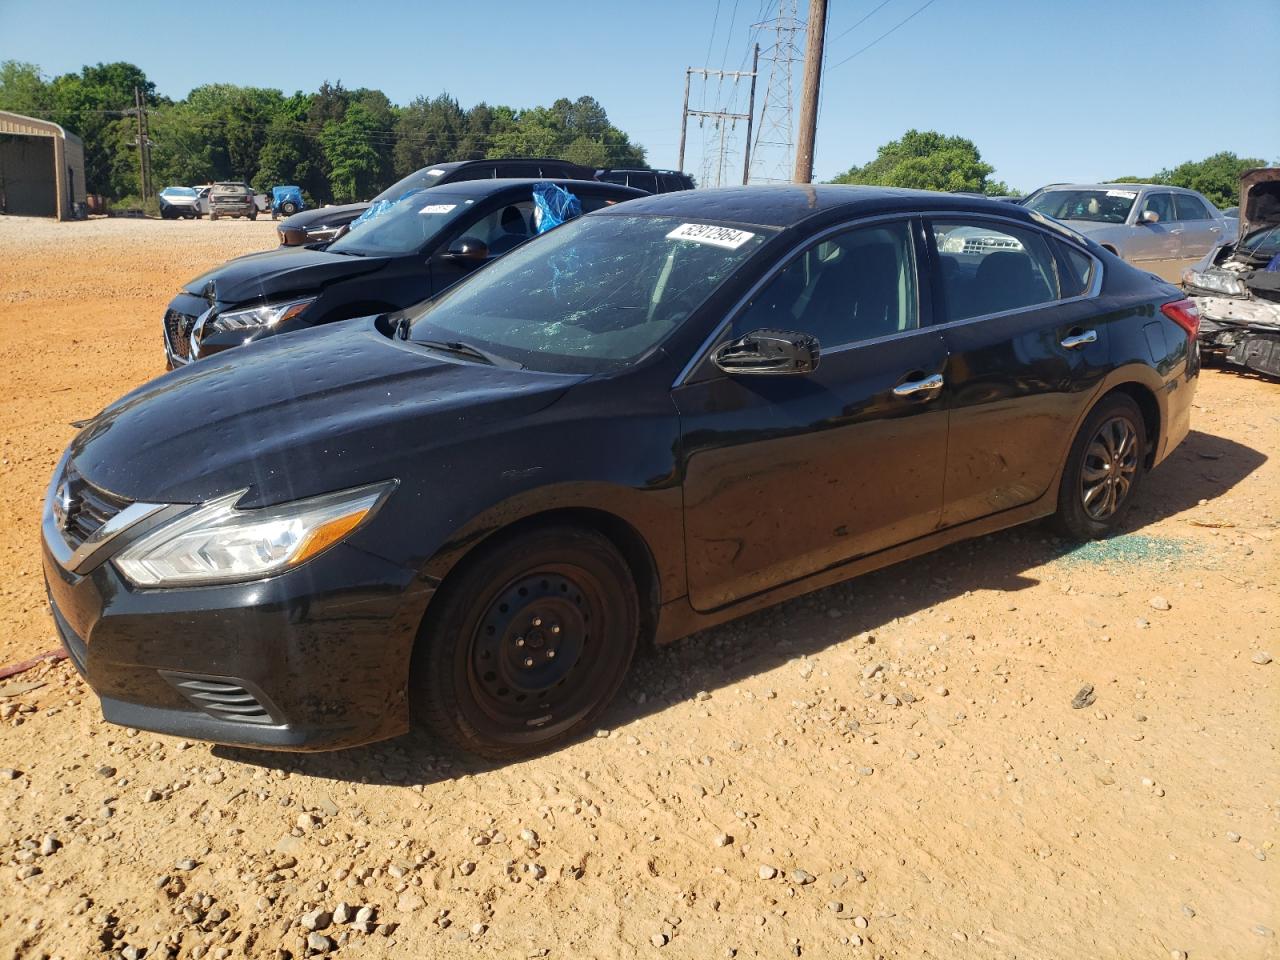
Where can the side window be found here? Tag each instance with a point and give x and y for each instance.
(855, 286)
(990, 268)
(592, 202)
(1189, 207)
(518, 170)
(1161, 204)
(619, 178)
(670, 182)
(481, 171)
(643, 181)
(1075, 269)
(503, 229)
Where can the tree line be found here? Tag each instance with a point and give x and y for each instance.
(339, 145)
(928, 160)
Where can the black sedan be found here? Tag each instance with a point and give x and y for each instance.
(658, 417)
(424, 242)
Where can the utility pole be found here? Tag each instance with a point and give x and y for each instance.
(720, 117)
(751, 112)
(809, 94)
(143, 141)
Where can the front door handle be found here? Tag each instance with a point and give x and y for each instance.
(912, 387)
(1077, 340)
(1215, 230)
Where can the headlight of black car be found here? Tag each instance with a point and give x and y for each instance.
(251, 319)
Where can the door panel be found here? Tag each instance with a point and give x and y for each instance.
(1200, 232)
(1157, 247)
(1023, 354)
(787, 475)
(1016, 394)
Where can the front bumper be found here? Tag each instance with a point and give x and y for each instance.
(1241, 331)
(314, 659)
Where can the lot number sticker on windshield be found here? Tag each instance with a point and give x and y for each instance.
(726, 237)
(434, 172)
(438, 208)
(1127, 194)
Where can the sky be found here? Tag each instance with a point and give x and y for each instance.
(1049, 90)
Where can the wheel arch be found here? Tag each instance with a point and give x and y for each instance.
(619, 531)
(1145, 398)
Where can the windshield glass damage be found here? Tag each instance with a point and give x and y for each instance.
(595, 294)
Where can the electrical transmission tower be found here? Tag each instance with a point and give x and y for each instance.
(773, 155)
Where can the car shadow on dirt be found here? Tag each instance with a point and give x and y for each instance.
(1203, 468)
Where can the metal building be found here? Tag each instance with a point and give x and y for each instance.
(41, 169)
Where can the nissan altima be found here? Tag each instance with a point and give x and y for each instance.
(653, 419)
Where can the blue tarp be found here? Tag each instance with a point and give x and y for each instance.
(281, 195)
(554, 206)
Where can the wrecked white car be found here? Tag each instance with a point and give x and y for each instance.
(1237, 285)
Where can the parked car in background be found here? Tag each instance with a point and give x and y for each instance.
(231, 199)
(1237, 285)
(1158, 228)
(286, 201)
(326, 223)
(651, 181)
(648, 421)
(178, 202)
(429, 240)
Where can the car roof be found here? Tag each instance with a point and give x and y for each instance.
(788, 205)
(1115, 186)
(491, 185)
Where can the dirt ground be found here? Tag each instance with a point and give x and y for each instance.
(887, 768)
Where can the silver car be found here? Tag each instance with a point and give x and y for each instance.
(1160, 229)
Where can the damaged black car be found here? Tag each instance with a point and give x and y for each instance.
(1237, 286)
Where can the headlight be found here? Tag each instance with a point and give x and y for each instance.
(254, 318)
(1215, 282)
(217, 543)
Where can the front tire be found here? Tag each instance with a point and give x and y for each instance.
(528, 643)
(1104, 470)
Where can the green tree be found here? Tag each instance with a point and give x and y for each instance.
(353, 161)
(89, 104)
(23, 90)
(926, 160)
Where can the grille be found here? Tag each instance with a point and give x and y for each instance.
(986, 244)
(177, 333)
(222, 698)
(90, 507)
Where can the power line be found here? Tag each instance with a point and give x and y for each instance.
(901, 23)
(874, 10)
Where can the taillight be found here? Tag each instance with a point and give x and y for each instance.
(1185, 315)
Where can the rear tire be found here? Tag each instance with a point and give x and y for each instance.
(253, 214)
(289, 208)
(528, 643)
(1104, 470)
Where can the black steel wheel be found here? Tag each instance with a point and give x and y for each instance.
(1104, 469)
(527, 644)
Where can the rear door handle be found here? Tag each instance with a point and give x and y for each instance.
(912, 387)
(1077, 340)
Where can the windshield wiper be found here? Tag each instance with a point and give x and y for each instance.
(460, 348)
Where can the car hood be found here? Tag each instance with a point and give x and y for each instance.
(262, 276)
(1092, 228)
(1259, 199)
(300, 414)
(342, 213)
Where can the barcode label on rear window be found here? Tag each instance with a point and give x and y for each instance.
(726, 237)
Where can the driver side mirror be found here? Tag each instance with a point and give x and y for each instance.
(769, 352)
(1148, 216)
(468, 251)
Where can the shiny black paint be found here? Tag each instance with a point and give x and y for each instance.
(724, 493)
(351, 286)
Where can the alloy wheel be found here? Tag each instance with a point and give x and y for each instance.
(1109, 468)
